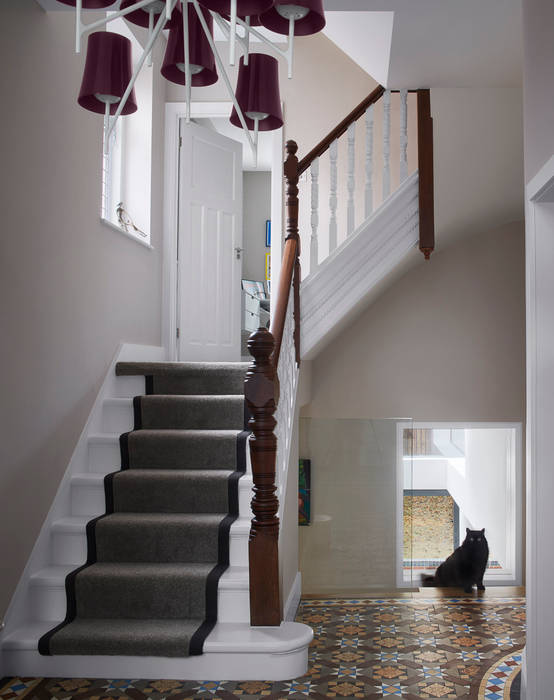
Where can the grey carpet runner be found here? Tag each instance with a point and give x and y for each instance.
(149, 586)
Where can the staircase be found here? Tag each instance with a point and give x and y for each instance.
(144, 571)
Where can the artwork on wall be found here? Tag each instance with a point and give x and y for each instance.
(304, 491)
(268, 234)
(268, 266)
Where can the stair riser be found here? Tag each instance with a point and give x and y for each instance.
(70, 549)
(104, 458)
(48, 604)
(128, 387)
(91, 500)
(117, 418)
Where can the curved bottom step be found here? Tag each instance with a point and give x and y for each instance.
(232, 652)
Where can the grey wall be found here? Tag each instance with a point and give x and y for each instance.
(257, 209)
(445, 342)
(71, 289)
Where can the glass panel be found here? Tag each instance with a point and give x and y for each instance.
(353, 543)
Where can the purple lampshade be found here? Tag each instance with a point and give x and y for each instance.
(308, 14)
(90, 4)
(142, 17)
(258, 92)
(202, 60)
(245, 8)
(108, 71)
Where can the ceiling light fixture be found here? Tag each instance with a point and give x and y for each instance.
(191, 57)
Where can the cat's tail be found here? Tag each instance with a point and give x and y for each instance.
(428, 581)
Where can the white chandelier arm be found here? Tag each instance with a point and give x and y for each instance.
(150, 30)
(287, 53)
(168, 10)
(224, 75)
(233, 42)
(186, 53)
(82, 29)
(225, 28)
(159, 26)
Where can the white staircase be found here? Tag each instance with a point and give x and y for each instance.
(233, 651)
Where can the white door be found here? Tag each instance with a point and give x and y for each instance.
(209, 246)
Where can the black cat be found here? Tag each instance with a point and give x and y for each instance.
(465, 566)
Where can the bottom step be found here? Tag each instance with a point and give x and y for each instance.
(232, 652)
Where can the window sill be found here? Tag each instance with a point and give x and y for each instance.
(114, 227)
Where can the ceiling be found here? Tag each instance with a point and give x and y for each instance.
(431, 43)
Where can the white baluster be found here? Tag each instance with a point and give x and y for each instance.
(368, 161)
(403, 135)
(386, 144)
(314, 171)
(333, 155)
(351, 180)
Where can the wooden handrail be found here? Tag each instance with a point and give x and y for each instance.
(340, 129)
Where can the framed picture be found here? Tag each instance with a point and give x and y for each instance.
(304, 491)
(268, 234)
(268, 266)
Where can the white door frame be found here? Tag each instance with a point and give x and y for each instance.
(174, 112)
(515, 508)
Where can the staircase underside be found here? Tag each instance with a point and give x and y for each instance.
(345, 281)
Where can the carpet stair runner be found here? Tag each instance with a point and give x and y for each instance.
(149, 586)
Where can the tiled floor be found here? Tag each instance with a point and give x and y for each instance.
(366, 648)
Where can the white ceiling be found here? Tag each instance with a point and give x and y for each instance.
(433, 43)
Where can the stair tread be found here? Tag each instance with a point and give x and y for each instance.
(159, 368)
(79, 523)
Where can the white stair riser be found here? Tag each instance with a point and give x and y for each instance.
(128, 387)
(70, 548)
(117, 418)
(104, 458)
(48, 603)
(88, 500)
(245, 496)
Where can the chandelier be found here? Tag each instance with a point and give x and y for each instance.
(192, 57)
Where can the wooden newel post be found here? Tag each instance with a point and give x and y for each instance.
(261, 392)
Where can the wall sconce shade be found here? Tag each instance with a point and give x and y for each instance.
(202, 60)
(308, 15)
(245, 8)
(108, 71)
(142, 17)
(258, 93)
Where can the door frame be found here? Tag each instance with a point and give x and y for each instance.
(174, 112)
(516, 508)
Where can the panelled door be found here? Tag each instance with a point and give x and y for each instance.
(209, 245)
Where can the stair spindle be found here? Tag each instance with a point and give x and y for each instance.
(386, 145)
(403, 135)
(351, 182)
(369, 161)
(314, 172)
(333, 155)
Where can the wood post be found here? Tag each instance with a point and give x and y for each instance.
(291, 177)
(261, 391)
(425, 166)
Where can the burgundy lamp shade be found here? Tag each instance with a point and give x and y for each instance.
(308, 14)
(258, 93)
(108, 71)
(202, 60)
(142, 17)
(245, 8)
(90, 4)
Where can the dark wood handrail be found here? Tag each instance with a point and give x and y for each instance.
(340, 129)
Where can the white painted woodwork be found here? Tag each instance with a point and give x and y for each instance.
(209, 232)
(314, 174)
(386, 144)
(333, 156)
(403, 135)
(351, 180)
(368, 199)
(347, 277)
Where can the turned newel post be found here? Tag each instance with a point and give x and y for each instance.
(261, 393)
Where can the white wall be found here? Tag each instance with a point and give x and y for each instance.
(71, 288)
(256, 210)
(425, 474)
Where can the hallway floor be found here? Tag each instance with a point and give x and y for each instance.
(417, 646)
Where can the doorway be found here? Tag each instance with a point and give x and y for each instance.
(453, 476)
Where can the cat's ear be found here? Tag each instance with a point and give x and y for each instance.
(483, 531)
(467, 530)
